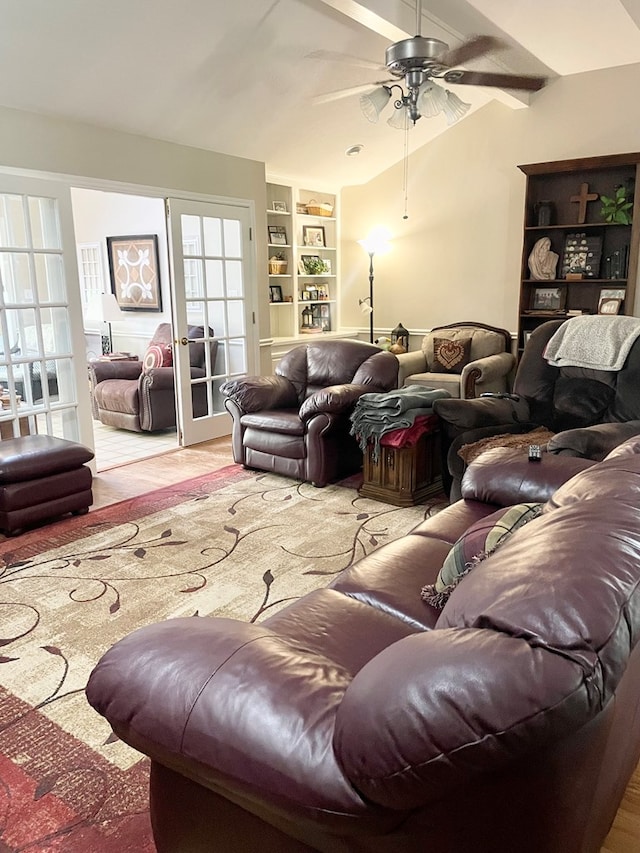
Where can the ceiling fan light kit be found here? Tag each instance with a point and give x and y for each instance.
(414, 63)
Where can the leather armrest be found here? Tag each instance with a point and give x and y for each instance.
(254, 393)
(481, 412)
(335, 399)
(592, 442)
(102, 370)
(505, 476)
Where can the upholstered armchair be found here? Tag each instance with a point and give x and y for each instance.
(589, 411)
(466, 359)
(136, 396)
(297, 422)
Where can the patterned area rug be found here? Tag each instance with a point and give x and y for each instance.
(233, 543)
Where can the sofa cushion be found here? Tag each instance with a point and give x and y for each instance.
(157, 355)
(475, 544)
(450, 356)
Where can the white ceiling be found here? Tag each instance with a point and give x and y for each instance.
(236, 77)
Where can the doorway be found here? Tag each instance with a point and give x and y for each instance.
(209, 284)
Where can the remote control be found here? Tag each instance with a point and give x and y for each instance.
(535, 454)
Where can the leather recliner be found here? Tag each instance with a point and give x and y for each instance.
(590, 411)
(297, 423)
(127, 396)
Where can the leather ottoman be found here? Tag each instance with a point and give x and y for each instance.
(42, 477)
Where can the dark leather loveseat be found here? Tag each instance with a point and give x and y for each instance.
(360, 718)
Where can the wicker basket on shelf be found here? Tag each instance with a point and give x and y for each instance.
(277, 266)
(319, 208)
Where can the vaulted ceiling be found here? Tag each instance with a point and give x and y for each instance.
(237, 77)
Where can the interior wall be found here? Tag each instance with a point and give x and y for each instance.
(98, 215)
(457, 256)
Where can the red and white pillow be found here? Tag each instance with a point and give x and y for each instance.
(157, 355)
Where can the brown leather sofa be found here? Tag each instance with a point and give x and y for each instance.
(359, 718)
(127, 396)
(297, 422)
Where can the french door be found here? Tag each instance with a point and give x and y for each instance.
(211, 271)
(44, 382)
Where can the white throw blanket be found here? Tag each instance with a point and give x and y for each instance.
(595, 341)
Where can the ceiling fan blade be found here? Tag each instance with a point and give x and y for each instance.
(328, 97)
(470, 49)
(503, 81)
(334, 56)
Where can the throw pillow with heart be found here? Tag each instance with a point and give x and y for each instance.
(450, 356)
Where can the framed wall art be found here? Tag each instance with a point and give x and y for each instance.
(134, 272)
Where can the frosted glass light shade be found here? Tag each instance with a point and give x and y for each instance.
(374, 102)
(454, 108)
(432, 99)
(399, 118)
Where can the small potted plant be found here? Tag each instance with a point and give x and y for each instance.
(617, 209)
(277, 264)
(314, 266)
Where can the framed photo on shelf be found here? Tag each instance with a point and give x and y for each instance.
(526, 334)
(313, 235)
(548, 299)
(280, 207)
(134, 272)
(275, 293)
(608, 293)
(277, 235)
(609, 306)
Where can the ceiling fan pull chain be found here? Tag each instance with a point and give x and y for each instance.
(405, 177)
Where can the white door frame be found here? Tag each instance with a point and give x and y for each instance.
(127, 188)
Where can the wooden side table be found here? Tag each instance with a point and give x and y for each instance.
(404, 476)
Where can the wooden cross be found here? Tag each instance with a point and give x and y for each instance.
(582, 198)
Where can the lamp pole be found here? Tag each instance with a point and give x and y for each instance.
(371, 254)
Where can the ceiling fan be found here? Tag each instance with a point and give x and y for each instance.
(417, 62)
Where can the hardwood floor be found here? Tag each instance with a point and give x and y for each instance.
(136, 478)
(146, 475)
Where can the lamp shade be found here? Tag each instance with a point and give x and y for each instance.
(377, 241)
(399, 118)
(454, 108)
(432, 99)
(110, 311)
(374, 102)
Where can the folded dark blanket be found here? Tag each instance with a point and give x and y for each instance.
(377, 414)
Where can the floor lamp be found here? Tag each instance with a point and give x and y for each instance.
(376, 243)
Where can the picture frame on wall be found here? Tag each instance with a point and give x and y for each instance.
(134, 272)
(548, 299)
